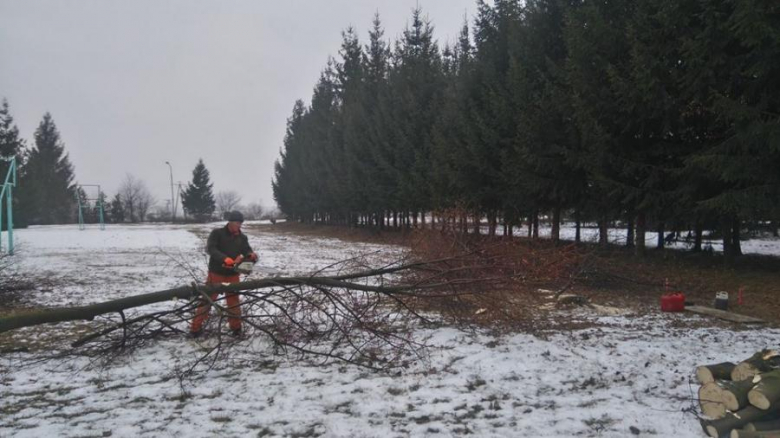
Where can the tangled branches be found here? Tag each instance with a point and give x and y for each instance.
(359, 317)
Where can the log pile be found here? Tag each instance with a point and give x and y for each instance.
(741, 400)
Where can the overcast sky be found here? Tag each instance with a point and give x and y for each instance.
(131, 85)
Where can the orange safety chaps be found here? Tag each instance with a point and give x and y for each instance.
(233, 303)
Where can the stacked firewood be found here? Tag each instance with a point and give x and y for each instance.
(741, 400)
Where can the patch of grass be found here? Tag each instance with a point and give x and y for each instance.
(395, 391)
(221, 419)
(422, 419)
(264, 432)
(310, 432)
(591, 403)
(471, 413)
(476, 383)
(600, 424)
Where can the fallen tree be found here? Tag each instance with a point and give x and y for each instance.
(362, 317)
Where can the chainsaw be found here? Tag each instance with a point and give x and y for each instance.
(244, 267)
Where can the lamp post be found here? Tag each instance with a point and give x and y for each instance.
(173, 200)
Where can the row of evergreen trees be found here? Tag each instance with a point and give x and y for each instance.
(657, 113)
(46, 191)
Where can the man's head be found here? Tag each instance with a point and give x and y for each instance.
(235, 218)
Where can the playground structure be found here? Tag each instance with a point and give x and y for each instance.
(6, 193)
(83, 200)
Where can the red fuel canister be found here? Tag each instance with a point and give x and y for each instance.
(674, 302)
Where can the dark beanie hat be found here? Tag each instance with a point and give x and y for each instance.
(235, 216)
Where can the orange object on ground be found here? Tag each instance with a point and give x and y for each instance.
(233, 303)
(674, 302)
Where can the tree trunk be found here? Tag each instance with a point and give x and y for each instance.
(711, 373)
(761, 362)
(763, 425)
(699, 232)
(723, 426)
(735, 237)
(603, 231)
(556, 224)
(641, 229)
(766, 394)
(477, 219)
(630, 231)
(710, 396)
(492, 223)
(577, 227)
(536, 224)
(735, 394)
(660, 230)
(725, 227)
(736, 433)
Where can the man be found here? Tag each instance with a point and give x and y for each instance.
(227, 247)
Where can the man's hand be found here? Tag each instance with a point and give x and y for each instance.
(228, 262)
(253, 257)
(239, 259)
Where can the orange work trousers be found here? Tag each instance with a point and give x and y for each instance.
(233, 303)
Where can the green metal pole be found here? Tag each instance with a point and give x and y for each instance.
(2, 192)
(10, 203)
(100, 213)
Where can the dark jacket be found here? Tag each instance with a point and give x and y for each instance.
(222, 244)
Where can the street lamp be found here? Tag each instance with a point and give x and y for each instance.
(173, 208)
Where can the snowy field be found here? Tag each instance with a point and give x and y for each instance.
(627, 376)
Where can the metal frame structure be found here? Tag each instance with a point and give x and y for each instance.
(6, 192)
(98, 204)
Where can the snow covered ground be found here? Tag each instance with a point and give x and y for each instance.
(626, 376)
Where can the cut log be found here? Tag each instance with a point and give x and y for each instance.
(766, 393)
(710, 396)
(733, 420)
(735, 394)
(722, 314)
(736, 433)
(763, 425)
(761, 362)
(711, 373)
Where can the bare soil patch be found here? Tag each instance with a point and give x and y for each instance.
(534, 270)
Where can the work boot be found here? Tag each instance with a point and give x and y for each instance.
(237, 333)
(196, 335)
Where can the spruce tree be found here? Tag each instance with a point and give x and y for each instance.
(10, 143)
(10, 146)
(409, 107)
(450, 157)
(376, 67)
(198, 198)
(286, 184)
(47, 193)
(116, 211)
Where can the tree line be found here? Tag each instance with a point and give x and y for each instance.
(655, 114)
(48, 193)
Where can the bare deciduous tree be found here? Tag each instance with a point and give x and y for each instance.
(136, 198)
(227, 201)
(254, 210)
